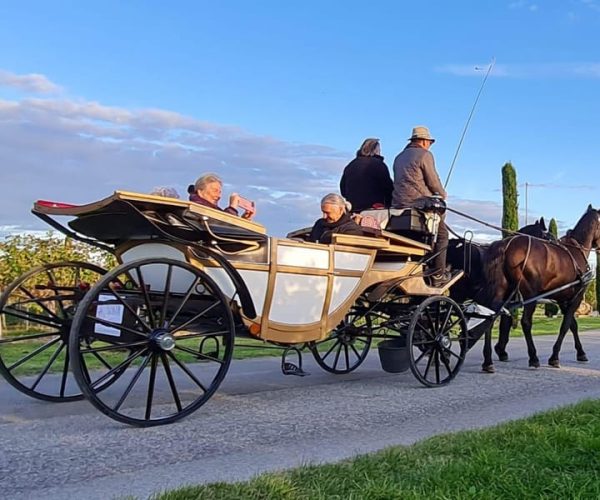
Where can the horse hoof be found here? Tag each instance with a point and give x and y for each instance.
(554, 363)
(582, 358)
(502, 355)
(534, 364)
(488, 369)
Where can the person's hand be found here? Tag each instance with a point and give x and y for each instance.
(233, 200)
(357, 218)
(248, 214)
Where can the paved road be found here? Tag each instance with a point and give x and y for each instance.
(260, 420)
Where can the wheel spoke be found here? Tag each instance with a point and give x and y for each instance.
(337, 341)
(346, 357)
(186, 370)
(163, 313)
(446, 363)
(132, 382)
(186, 297)
(337, 355)
(121, 366)
(65, 373)
(451, 352)
(37, 351)
(146, 297)
(218, 333)
(130, 309)
(198, 354)
(34, 318)
(167, 366)
(47, 367)
(355, 351)
(429, 362)
(436, 361)
(199, 315)
(151, 387)
(112, 347)
(445, 322)
(36, 300)
(21, 338)
(55, 286)
(117, 326)
(422, 355)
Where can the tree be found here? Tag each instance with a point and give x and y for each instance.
(510, 204)
(20, 253)
(553, 227)
(510, 211)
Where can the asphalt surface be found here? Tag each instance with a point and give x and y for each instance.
(260, 420)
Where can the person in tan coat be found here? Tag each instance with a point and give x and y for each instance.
(415, 178)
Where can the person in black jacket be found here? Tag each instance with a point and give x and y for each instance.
(366, 180)
(336, 219)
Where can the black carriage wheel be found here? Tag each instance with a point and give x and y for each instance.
(437, 341)
(347, 345)
(37, 310)
(154, 327)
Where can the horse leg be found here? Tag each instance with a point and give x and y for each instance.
(500, 347)
(526, 322)
(488, 364)
(568, 317)
(581, 356)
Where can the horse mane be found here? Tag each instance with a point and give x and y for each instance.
(583, 225)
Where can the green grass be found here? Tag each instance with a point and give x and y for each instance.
(13, 352)
(252, 348)
(552, 455)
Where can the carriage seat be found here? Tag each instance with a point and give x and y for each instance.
(398, 220)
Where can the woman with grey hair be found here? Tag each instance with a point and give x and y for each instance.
(366, 181)
(166, 192)
(208, 192)
(336, 219)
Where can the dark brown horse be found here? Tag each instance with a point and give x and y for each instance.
(518, 270)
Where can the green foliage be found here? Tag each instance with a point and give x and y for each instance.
(551, 455)
(553, 227)
(20, 253)
(510, 204)
(550, 310)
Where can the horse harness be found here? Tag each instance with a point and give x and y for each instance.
(583, 277)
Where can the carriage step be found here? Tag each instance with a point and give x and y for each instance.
(289, 368)
(292, 369)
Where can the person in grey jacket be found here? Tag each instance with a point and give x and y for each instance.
(416, 178)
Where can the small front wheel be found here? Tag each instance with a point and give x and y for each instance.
(437, 341)
(348, 344)
(165, 328)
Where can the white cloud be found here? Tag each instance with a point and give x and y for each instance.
(31, 83)
(589, 70)
(79, 151)
(524, 4)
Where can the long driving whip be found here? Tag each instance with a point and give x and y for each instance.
(464, 132)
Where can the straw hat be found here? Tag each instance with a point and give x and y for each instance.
(421, 132)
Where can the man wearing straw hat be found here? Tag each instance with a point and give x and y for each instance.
(416, 178)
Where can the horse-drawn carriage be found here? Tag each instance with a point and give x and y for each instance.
(150, 341)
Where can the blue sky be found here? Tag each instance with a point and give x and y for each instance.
(277, 96)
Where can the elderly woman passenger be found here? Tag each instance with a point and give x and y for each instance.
(336, 219)
(209, 188)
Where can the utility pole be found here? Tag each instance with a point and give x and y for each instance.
(526, 198)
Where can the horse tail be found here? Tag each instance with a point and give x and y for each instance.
(493, 275)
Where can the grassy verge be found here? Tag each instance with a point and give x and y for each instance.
(245, 348)
(552, 455)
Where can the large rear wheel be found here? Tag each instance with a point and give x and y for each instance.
(169, 332)
(37, 310)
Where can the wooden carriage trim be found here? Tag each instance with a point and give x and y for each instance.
(60, 209)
